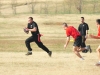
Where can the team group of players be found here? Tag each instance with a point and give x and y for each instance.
(79, 36)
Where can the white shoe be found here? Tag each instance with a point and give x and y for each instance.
(82, 59)
(97, 64)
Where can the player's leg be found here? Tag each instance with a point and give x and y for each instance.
(27, 42)
(76, 46)
(83, 47)
(75, 49)
(98, 52)
(40, 45)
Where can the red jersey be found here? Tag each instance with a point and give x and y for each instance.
(71, 31)
(98, 30)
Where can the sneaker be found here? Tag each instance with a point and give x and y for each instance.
(85, 51)
(97, 64)
(28, 53)
(50, 53)
(89, 48)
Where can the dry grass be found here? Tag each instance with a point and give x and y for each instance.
(40, 64)
(12, 35)
(63, 62)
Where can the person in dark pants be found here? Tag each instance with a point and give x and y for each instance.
(83, 29)
(33, 28)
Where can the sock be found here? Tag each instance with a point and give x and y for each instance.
(86, 48)
(30, 51)
(82, 58)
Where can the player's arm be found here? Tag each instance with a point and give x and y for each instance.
(79, 28)
(33, 30)
(86, 33)
(87, 29)
(67, 41)
(94, 37)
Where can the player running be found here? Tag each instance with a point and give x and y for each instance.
(83, 29)
(97, 37)
(77, 46)
(33, 28)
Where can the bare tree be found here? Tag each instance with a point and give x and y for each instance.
(56, 10)
(32, 5)
(78, 4)
(41, 7)
(14, 5)
(70, 6)
(0, 6)
(64, 5)
(67, 3)
(94, 6)
(46, 7)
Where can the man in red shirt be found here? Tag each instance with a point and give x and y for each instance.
(97, 37)
(77, 46)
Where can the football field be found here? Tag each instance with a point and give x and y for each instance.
(41, 64)
(63, 61)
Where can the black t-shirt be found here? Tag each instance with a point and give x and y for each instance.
(82, 28)
(31, 26)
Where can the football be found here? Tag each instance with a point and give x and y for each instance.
(26, 30)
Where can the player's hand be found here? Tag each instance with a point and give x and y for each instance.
(91, 36)
(86, 36)
(26, 30)
(65, 46)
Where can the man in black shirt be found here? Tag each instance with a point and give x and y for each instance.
(33, 28)
(83, 29)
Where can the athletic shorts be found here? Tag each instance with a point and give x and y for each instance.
(78, 41)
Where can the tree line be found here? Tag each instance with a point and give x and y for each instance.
(64, 7)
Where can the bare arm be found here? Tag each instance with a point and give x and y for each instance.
(95, 37)
(86, 33)
(87, 29)
(67, 41)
